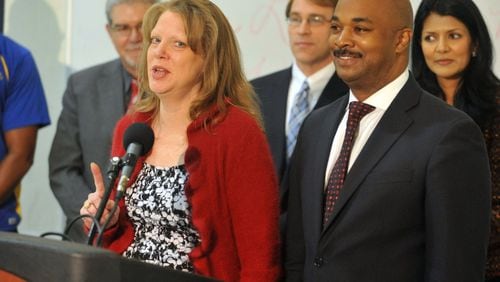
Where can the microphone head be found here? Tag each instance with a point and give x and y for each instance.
(141, 134)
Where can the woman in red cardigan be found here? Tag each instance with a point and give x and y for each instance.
(205, 199)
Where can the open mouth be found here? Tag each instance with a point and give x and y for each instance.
(158, 72)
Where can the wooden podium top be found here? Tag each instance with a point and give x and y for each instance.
(9, 277)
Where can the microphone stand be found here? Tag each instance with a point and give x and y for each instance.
(115, 165)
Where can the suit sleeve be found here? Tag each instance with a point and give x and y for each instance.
(457, 206)
(65, 159)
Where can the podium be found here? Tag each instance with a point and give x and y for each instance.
(34, 259)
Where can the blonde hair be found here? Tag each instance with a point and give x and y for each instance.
(210, 35)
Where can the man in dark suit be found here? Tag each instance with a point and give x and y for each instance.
(415, 203)
(94, 100)
(308, 32)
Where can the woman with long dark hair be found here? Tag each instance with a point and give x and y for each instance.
(452, 58)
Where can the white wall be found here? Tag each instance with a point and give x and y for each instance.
(68, 35)
(259, 24)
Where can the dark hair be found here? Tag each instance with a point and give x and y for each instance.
(477, 90)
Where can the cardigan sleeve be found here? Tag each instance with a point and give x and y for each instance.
(252, 193)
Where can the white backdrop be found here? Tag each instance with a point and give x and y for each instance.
(259, 25)
(69, 35)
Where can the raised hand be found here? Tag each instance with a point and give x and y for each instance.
(91, 205)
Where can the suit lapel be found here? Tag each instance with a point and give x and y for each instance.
(334, 89)
(110, 86)
(275, 106)
(276, 118)
(315, 190)
(392, 125)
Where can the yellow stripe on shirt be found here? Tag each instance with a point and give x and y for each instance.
(5, 68)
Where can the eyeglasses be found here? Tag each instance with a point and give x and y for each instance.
(314, 20)
(124, 29)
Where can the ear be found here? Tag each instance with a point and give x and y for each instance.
(404, 40)
(108, 29)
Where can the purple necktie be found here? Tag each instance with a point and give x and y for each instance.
(357, 111)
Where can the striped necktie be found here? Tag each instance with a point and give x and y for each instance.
(299, 111)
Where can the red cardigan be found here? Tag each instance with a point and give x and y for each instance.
(233, 193)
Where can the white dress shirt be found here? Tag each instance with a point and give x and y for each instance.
(317, 83)
(381, 100)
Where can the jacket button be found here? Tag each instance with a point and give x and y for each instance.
(318, 262)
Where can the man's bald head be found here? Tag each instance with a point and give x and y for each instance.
(370, 42)
(398, 11)
(401, 11)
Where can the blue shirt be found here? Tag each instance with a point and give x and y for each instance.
(22, 103)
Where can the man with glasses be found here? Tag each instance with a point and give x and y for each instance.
(287, 96)
(95, 98)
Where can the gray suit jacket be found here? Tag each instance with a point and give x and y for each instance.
(93, 102)
(415, 205)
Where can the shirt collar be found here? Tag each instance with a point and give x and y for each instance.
(321, 76)
(317, 81)
(383, 98)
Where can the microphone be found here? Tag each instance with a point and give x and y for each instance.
(138, 139)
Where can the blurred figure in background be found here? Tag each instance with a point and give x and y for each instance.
(308, 32)
(94, 100)
(452, 58)
(205, 199)
(23, 110)
(289, 95)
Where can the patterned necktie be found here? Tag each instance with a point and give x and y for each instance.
(299, 111)
(134, 90)
(357, 111)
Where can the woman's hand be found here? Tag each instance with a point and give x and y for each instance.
(94, 199)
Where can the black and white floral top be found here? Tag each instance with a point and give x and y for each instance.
(160, 213)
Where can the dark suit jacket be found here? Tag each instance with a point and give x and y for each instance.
(415, 205)
(272, 91)
(93, 102)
